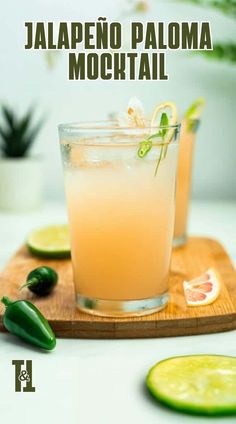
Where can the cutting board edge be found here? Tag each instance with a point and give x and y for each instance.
(124, 329)
(148, 328)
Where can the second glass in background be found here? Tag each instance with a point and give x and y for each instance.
(184, 179)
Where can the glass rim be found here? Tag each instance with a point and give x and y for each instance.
(108, 126)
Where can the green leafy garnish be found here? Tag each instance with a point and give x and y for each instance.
(146, 145)
(163, 123)
(222, 52)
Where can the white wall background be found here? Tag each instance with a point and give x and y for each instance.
(25, 79)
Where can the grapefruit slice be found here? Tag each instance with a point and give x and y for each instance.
(202, 290)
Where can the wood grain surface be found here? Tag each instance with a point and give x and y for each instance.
(175, 320)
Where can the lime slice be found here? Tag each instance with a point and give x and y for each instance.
(161, 115)
(49, 242)
(172, 113)
(198, 384)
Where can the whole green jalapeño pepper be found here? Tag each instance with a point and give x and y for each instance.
(24, 320)
(41, 281)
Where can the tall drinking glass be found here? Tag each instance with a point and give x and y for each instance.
(184, 177)
(121, 216)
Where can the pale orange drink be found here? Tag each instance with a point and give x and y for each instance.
(189, 126)
(121, 216)
(184, 179)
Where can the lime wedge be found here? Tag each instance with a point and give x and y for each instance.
(198, 384)
(196, 108)
(49, 242)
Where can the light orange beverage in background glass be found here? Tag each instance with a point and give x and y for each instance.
(121, 218)
(184, 177)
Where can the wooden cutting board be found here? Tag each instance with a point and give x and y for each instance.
(175, 320)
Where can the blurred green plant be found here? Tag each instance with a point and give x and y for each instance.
(225, 6)
(222, 51)
(17, 134)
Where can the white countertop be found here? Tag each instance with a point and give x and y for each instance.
(102, 381)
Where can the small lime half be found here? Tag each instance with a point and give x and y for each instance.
(50, 242)
(197, 384)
